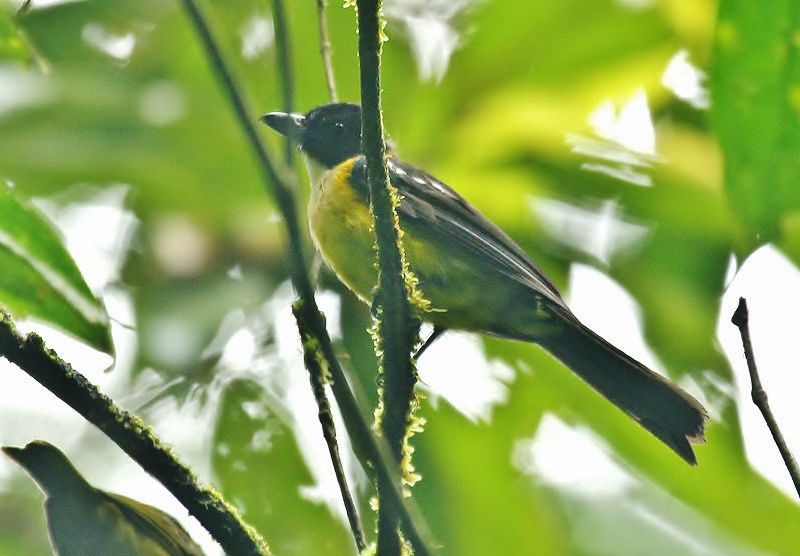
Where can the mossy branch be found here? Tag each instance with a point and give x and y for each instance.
(131, 434)
(741, 319)
(397, 328)
(371, 451)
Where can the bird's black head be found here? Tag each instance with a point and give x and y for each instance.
(47, 465)
(329, 134)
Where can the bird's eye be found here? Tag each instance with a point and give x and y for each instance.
(338, 128)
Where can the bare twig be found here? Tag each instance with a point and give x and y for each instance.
(325, 48)
(283, 56)
(129, 433)
(314, 363)
(24, 8)
(741, 320)
(398, 330)
(372, 451)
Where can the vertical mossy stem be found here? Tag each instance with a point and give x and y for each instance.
(397, 327)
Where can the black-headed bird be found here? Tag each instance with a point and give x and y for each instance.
(473, 275)
(86, 521)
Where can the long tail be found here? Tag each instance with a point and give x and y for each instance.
(665, 410)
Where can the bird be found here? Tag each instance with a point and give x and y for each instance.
(83, 520)
(472, 274)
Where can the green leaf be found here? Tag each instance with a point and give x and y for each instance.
(261, 468)
(756, 109)
(13, 43)
(40, 279)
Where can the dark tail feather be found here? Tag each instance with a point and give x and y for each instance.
(665, 410)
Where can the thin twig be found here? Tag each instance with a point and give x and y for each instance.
(276, 183)
(24, 8)
(283, 55)
(758, 394)
(397, 329)
(129, 433)
(313, 360)
(325, 48)
(371, 450)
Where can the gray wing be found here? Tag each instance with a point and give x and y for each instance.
(427, 202)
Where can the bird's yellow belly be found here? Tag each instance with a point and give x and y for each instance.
(340, 226)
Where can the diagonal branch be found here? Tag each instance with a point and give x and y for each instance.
(741, 319)
(137, 440)
(315, 363)
(371, 450)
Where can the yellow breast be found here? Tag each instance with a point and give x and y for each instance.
(341, 228)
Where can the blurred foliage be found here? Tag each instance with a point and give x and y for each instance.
(13, 44)
(500, 126)
(40, 279)
(265, 483)
(756, 93)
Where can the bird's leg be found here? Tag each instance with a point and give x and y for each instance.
(437, 331)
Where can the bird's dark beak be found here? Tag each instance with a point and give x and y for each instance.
(13, 453)
(290, 125)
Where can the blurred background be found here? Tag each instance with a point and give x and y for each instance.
(642, 151)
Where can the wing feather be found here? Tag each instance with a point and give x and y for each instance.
(426, 202)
